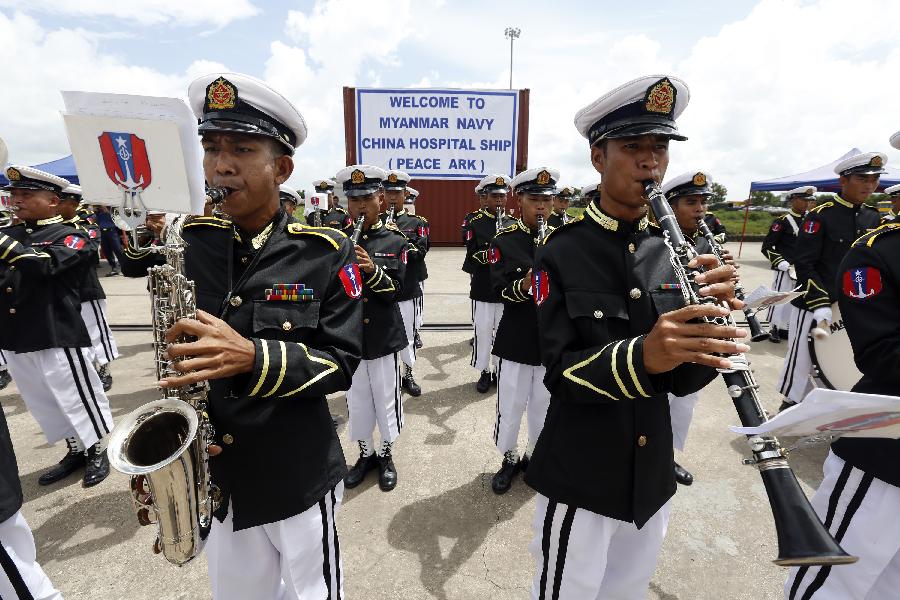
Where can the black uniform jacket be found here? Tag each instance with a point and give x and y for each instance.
(465, 223)
(556, 219)
(606, 445)
(869, 297)
(511, 255)
(281, 451)
(90, 288)
(781, 240)
(482, 229)
(10, 486)
(416, 230)
(383, 331)
(41, 268)
(717, 227)
(826, 234)
(336, 218)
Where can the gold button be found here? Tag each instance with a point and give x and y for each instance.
(365, 237)
(365, 321)
(642, 441)
(598, 314)
(245, 259)
(9, 290)
(29, 230)
(12, 267)
(236, 301)
(635, 293)
(632, 247)
(228, 439)
(287, 326)
(12, 311)
(365, 299)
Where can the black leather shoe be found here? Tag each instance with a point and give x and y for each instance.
(502, 479)
(97, 466)
(493, 379)
(73, 461)
(484, 382)
(417, 342)
(387, 473)
(682, 475)
(523, 464)
(786, 405)
(774, 336)
(5, 378)
(105, 377)
(358, 472)
(408, 383)
(783, 333)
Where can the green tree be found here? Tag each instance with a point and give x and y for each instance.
(764, 199)
(720, 194)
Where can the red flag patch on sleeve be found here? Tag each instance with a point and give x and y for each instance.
(862, 282)
(811, 226)
(352, 280)
(776, 227)
(540, 286)
(74, 242)
(494, 255)
(469, 235)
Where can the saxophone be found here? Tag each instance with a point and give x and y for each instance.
(162, 445)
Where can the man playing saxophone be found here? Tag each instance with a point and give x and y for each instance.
(278, 327)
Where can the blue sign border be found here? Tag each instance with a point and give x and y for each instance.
(513, 93)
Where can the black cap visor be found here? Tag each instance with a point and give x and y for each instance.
(259, 127)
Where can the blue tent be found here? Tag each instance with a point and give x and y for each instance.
(824, 178)
(63, 167)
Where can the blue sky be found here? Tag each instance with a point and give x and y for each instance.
(777, 86)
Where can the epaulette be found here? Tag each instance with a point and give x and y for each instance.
(818, 208)
(567, 225)
(868, 238)
(420, 217)
(326, 233)
(476, 215)
(509, 229)
(194, 221)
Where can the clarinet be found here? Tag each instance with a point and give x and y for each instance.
(357, 230)
(802, 539)
(756, 332)
(389, 219)
(541, 229)
(498, 222)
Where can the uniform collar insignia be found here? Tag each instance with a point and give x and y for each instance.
(613, 224)
(523, 226)
(221, 95)
(56, 219)
(376, 225)
(842, 202)
(793, 214)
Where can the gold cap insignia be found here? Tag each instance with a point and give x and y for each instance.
(220, 94)
(499, 181)
(13, 174)
(565, 192)
(876, 161)
(357, 176)
(392, 178)
(543, 178)
(699, 179)
(660, 97)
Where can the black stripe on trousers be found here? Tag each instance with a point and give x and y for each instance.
(474, 359)
(90, 388)
(564, 533)
(105, 333)
(497, 422)
(78, 387)
(770, 314)
(792, 356)
(337, 547)
(833, 499)
(326, 549)
(545, 546)
(15, 578)
(398, 397)
(100, 329)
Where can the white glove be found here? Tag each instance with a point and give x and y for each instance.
(822, 314)
(783, 265)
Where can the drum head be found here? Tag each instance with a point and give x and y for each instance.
(832, 357)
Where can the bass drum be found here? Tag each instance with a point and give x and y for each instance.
(832, 356)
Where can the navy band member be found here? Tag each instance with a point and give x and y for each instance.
(289, 199)
(482, 204)
(561, 201)
(287, 333)
(859, 497)
(412, 194)
(487, 307)
(42, 266)
(779, 248)
(825, 235)
(21, 576)
(93, 297)
(374, 398)
(716, 226)
(333, 215)
(415, 228)
(893, 193)
(615, 339)
(520, 375)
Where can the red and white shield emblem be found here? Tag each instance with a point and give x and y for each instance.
(74, 242)
(352, 280)
(540, 286)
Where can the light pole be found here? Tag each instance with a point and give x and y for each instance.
(512, 33)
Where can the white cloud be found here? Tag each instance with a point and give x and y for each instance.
(145, 12)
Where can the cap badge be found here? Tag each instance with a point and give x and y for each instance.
(357, 177)
(13, 174)
(392, 178)
(565, 192)
(660, 97)
(220, 94)
(499, 181)
(543, 178)
(699, 179)
(876, 161)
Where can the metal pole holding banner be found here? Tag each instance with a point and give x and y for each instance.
(512, 33)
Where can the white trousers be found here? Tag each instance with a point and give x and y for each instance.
(93, 313)
(520, 388)
(421, 303)
(681, 408)
(580, 555)
(486, 318)
(408, 310)
(3, 360)
(374, 398)
(298, 558)
(779, 315)
(22, 577)
(861, 513)
(63, 392)
(794, 381)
